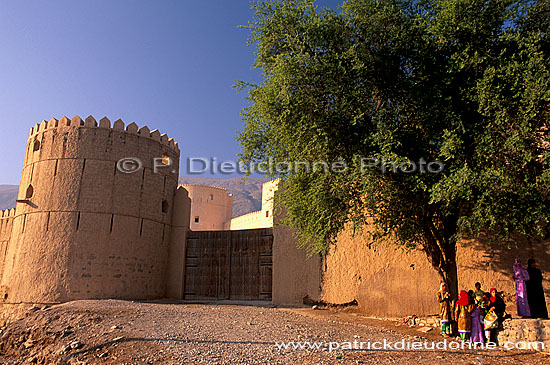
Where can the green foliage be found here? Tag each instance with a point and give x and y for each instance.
(465, 82)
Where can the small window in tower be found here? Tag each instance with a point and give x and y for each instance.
(165, 206)
(29, 193)
(165, 159)
(211, 197)
(36, 146)
(267, 213)
(197, 219)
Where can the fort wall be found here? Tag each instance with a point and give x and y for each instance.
(387, 281)
(6, 224)
(262, 218)
(258, 219)
(296, 277)
(268, 192)
(178, 244)
(211, 207)
(84, 229)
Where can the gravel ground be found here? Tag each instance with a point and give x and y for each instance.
(125, 332)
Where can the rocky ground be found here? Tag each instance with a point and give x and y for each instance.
(125, 332)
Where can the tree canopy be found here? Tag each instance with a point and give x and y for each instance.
(462, 82)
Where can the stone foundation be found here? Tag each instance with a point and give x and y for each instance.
(526, 334)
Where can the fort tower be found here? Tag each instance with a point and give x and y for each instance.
(82, 228)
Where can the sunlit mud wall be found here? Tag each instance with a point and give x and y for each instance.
(6, 223)
(211, 207)
(386, 281)
(84, 229)
(262, 218)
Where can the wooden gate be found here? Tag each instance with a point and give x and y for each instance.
(229, 264)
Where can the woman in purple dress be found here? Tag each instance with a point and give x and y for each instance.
(477, 328)
(521, 276)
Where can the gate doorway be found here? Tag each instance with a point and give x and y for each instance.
(229, 264)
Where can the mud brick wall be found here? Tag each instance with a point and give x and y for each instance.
(6, 223)
(387, 281)
(84, 229)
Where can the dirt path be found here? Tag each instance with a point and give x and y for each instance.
(116, 332)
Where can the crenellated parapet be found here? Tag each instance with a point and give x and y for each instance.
(7, 213)
(6, 223)
(90, 122)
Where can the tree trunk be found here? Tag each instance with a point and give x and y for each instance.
(449, 275)
(452, 277)
(441, 250)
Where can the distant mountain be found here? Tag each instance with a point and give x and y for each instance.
(8, 195)
(247, 196)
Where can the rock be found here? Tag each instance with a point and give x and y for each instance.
(75, 344)
(103, 354)
(114, 327)
(34, 308)
(29, 343)
(425, 329)
(315, 307)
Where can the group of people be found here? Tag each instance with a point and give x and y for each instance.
(477, 315)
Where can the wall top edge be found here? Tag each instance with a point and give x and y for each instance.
(91, 122)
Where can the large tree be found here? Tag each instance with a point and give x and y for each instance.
(463, 82)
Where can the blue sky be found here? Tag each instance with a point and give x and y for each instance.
(166, 64)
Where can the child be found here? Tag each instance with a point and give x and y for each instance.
(463, 315)
(485, 301)
(444, 298)
(484, 307)
(477, 324)
(478, 293)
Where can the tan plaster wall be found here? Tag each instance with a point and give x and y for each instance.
(268, 192)
(214, 214)
(491, 265)
(383, 280)
(295, 276)
(388, 282)
(6, 223)
(262, 218)
(91, 231)
(258, 219)
(178, 244)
